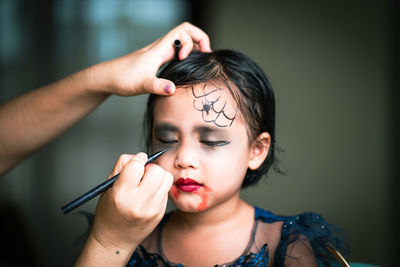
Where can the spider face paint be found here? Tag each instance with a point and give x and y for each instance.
(212, 102)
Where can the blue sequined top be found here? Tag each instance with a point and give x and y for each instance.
(303, 242)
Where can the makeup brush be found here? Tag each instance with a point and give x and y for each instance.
(101, 187)
(177, 46)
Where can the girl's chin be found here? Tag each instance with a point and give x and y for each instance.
(186, 206)
(195, 201)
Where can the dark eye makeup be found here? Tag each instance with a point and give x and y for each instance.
(203, 142)
(215, 143)
(167, 142)
(209, 137)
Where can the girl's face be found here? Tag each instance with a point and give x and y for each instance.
(209, 149)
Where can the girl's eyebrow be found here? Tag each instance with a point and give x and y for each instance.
(165, 127)
(201, 129)
(207, 129)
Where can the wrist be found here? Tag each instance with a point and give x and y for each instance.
(96, 78)
(99, 252)
(114, 242)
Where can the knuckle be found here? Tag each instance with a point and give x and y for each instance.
(149, 216)
(185, 24)
(132, 213)
(153, 85)
(145, 215)
(136, 164)
(148, 85)
(140, 158)
(154, 169)
(124, 157)
(118, 201)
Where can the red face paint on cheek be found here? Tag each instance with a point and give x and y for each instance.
(175, 192)
(204, 198)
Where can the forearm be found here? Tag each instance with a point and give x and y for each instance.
(32, 120)
(96, 254)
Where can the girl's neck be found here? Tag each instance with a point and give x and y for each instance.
(196, 238)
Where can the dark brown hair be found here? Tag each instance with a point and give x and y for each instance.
(252, 92)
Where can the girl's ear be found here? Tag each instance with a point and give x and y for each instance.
(259, 150)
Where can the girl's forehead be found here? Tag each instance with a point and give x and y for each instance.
(206, 88)
(213, 102)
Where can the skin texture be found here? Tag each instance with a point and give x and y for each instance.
(32, 120)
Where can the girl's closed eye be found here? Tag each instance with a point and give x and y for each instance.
(203, 142)
(211, 144)
(167, 141)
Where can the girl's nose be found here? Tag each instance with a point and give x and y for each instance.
(186, 156)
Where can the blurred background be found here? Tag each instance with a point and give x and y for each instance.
(335, 70)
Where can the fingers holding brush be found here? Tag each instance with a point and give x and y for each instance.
(176, 44)
(130, 169)
(190, 38)
(158, 182)
(193, 38)
(132, 208)
(121, 162)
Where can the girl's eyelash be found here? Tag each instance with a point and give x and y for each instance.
(204, 142)
(215, 143)
(167, 141)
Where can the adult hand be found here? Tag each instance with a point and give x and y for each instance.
(128, 212)
(135, 73)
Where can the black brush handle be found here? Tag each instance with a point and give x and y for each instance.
(177, 46)
(101, 188)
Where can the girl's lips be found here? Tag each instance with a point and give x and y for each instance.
(187, 185)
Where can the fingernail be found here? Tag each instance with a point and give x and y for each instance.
(167, 89)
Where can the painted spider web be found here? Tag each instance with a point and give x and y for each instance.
(213, 105)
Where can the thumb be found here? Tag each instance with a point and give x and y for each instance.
(159, 86)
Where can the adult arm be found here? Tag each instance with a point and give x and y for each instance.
(32, 120)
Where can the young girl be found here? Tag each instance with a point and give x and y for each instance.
(219, 127)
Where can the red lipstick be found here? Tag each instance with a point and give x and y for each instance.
(187, 185)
